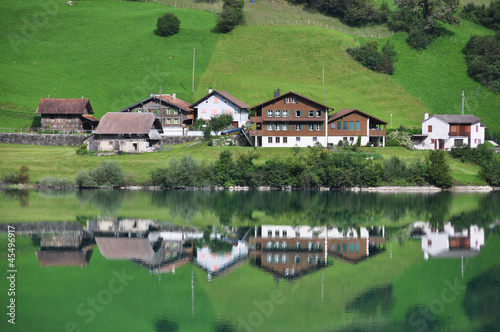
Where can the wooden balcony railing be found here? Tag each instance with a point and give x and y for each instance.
(377, 132)
(460, 133)
(255, 132)
(256, 119)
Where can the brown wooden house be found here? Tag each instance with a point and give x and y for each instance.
(289, 120)
(172, 111)
(350, 124)
(66, 114)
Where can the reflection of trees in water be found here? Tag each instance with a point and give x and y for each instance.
(166, 325)
(375, 300)
(306, 207)
(107, 201)
(22, 195)
(487, 212)
(222, 325)
(482, 299)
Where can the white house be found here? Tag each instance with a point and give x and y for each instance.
(218, 102)
(444, 131)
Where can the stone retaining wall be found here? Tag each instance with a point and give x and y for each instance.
(42, 139)
(71, 140)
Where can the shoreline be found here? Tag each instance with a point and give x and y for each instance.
(381, 189)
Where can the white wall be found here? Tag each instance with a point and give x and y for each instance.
(220, 107)
(292, 141)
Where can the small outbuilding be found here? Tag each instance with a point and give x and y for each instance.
(127, 132)
(66, 114)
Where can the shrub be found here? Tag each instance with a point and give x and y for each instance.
(370, 57)
(168, 25)
(231, 16)
(483, 59)
(480, 14)
(85, 180)
(392, 142)
(108, 173)
(82, 149)
(22, 176)
(490, 172)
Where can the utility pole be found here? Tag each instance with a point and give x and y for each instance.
(194, 58)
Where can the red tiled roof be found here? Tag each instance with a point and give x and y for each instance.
(64, 106)
(175, 101)
(90, 117)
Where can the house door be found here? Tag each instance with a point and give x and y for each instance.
(441, 144)
(234, 124)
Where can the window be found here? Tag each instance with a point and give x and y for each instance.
(284, 114)
(344, 247)
(297, 127)
(351, 125)
(297, 139)
(358, 125)
(283, 259)
(269, 140)
(176, 121)
(276, 259)
(332, 247)
(292, 100)
(277, 113)
(318, 113)
(356, 247)
(429, 243)
(351, 247)
(276, 127)
(318, 126)
(216, 100)
(332, 125)
(269, 258)
(277, 139)
(477, 128)
(284, 233)
(315, 139)
(345, 125)
(269, 113)
(310, 113)
(429, 128)
(213, 111)
(351, 139)
(269, 233)
(285, 140)
(228, 111)
(339, 125)
(338, 247)
(317, 246)
(298, 114)
(203, 110)
(310, 127)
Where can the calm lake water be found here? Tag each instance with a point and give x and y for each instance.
(100, 260)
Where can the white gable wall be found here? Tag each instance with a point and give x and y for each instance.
(216, 105)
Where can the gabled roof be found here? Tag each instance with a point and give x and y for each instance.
(64, 257)
(224, 94)
(128, 123)
(90, 118)
(125, 248)
(161, 99)
(288, 94)
(456, 118)
(64, 106)
(348, 111)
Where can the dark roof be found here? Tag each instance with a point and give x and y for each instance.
(128, 123)
(161, 99)
(125, 248)
(64, 106)
(290, 93)
(348, 111)
(458, 118)
(64, 257)
(224, 94)
(90, 118)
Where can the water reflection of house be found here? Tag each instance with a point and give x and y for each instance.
(290, 251)
(121, 227)
(449, 242)
(63, 249)
(216, 262)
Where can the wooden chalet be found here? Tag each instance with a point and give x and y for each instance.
(289, 120)
(170, 110)
(127, 132)
(350, 124)
(66, 114)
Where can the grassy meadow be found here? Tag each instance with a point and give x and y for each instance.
(107, 51)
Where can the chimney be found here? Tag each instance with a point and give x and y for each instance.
(82, 97)
(152, 94)
(210, 90)
(277, 93)
(174, 96)
(426, 116)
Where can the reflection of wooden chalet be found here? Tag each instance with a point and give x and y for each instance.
(66, 114)
(125, 248)
(289, 251)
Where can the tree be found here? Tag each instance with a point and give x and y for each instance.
(420, 17)
(231, 16)
(168, 25)
(220, 122)
(439, 173)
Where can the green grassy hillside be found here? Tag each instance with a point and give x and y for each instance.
(106, 51)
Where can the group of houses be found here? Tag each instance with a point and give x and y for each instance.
(286, 120)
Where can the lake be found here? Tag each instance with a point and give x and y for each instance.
(104, 260)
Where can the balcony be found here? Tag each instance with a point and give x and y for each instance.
(256, 119)
(255, 132)
(460, 133)
(377, 132)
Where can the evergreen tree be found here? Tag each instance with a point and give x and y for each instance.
(438, 170)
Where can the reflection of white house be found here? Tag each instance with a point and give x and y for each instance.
(123, 227)
(215, 262)
(450, 243)
(219, 102)
(444, 131)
